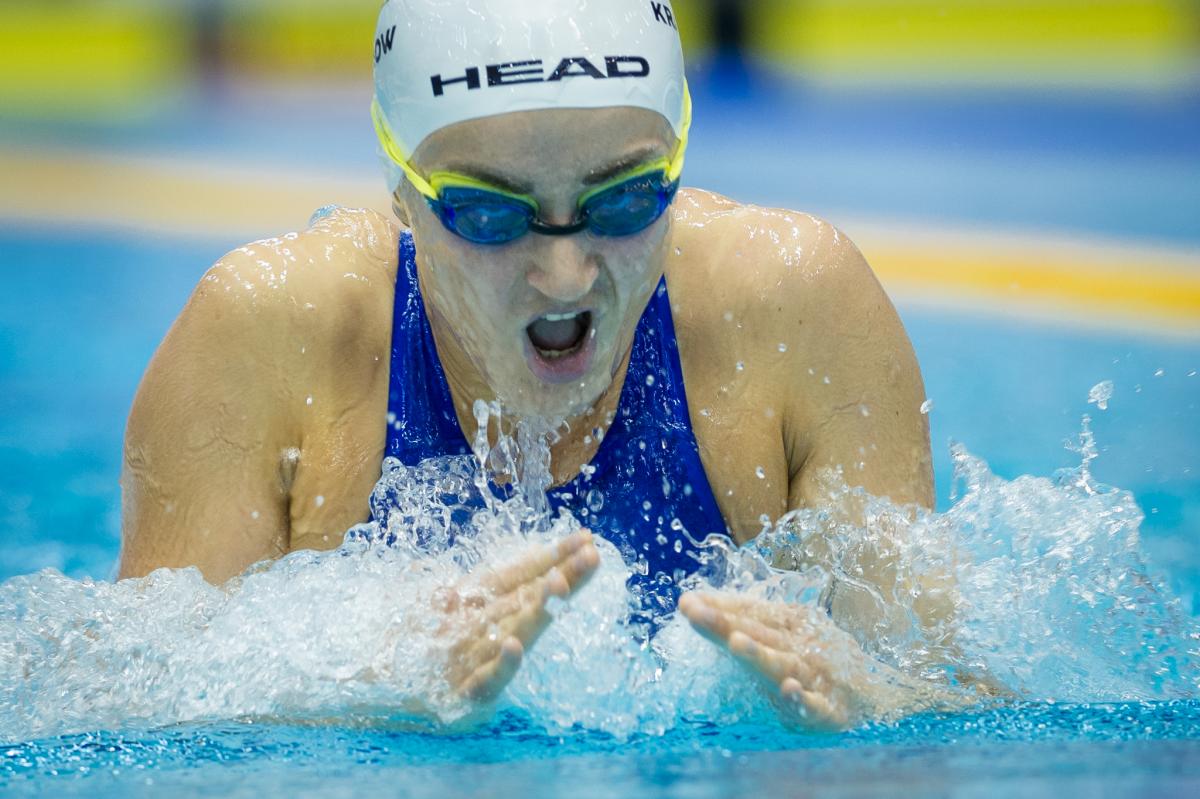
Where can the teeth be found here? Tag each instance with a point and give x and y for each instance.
(561, 317)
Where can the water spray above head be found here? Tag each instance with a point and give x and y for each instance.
(441, 62)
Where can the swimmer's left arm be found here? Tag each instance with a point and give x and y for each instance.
(858, 411)
(852, 393)
(857, 421)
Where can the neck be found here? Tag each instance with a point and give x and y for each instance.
(577, 441)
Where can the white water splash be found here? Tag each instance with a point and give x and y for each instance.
(1100, 394)
(1043, 579)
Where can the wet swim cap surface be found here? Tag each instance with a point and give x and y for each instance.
(440, 62)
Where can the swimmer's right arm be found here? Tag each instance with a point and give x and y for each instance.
(228, 459)
(206, 473)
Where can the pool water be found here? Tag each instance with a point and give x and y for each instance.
(1026, 750)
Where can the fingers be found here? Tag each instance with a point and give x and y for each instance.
(522, 614)
(775, 665)
(529, 622)
(766, 650)
(579, 568)
(519, 616)
(718, 623)
(536, 564)
(512, 614)
(487, 681)
(782, 644)
(816, 709)
(771, 614)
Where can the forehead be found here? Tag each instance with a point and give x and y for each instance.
(566, 141)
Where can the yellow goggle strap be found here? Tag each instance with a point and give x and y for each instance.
(673, 167)
(384, 132)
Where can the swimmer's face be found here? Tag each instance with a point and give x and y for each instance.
(546, 320)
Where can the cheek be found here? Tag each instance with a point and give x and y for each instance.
(469, 286)
(637, 265)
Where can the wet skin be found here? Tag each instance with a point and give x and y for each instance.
(258, 426)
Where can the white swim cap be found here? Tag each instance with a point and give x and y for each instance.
(440, 62)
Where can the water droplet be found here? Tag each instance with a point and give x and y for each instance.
(595, 501)
(1100, 394)
(741, 367)
(678, 251)
(678, 545)
(649, 380)
(783, 347)
(729, 316)
(661, 539)
(646, 505)
(826, 380)
(309, 401)
(927, 407)
(319, 501)
(1159, 373)
(760, 473)
(254, 514)
(864, 410)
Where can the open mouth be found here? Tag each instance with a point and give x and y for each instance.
(556, 336)
(560, 348)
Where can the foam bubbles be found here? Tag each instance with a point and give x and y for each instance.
(1033, 586)
(1100, 394)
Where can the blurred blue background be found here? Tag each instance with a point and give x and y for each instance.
(1024, 177)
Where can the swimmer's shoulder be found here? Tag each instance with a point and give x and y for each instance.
(793, 305)
(325, 292)
(782, 275)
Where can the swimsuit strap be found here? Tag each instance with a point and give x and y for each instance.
(422, 423)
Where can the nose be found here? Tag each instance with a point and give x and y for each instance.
(563, 270)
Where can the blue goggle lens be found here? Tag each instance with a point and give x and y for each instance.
(485, 217)
(630, 207)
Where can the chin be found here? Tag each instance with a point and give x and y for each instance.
(529, 397)
(554, 402)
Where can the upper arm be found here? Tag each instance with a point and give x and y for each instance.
(204, 482)
(852, 387)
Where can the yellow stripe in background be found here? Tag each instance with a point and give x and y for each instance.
(1059, 42)
(1104, 283)
(1161, 295)
(79, 61)
(303, 38)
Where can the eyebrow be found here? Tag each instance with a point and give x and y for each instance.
(626, 163)
(593, 178)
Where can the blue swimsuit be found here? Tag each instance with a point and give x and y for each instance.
(648, 494)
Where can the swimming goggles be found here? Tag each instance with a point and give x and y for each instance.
(485, 214)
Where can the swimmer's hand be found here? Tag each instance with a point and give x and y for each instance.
(492, 618)
(820, 679)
